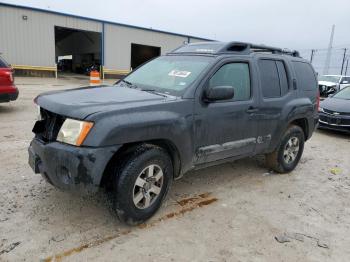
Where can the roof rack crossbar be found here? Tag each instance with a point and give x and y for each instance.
(249, 48)
(231, 47)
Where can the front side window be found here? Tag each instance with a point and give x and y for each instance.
(345, 80)
(236, 75)
(169, 74)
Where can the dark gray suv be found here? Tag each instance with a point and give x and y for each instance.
(200, 105)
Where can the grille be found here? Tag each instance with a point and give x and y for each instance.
(47, 129)
(331, 112)
(334, 120)
(345, 121)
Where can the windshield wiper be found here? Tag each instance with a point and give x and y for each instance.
(131, 85)
(152, 91)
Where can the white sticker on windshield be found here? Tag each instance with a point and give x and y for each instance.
(178, 73)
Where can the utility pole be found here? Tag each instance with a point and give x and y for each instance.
(346, 68)
(328, 58)
(312, 55)
(342, 64)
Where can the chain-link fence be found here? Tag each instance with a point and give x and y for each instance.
(338, 63)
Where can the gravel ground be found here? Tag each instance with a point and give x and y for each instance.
(233, 212)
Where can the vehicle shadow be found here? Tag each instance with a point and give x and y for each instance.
(7, 108)
(70, 206)
(334, 133)
(82, 220)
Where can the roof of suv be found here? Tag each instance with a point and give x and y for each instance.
(220, 48)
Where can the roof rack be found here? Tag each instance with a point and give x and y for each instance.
(236, 47)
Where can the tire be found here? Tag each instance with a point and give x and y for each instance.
(285, 158)
(133, 180)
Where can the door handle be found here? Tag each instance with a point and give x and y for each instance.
(294, 84)
(251, 110)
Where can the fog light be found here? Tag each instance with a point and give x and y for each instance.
(65, 175)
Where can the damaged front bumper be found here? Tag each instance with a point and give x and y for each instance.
(70, 168)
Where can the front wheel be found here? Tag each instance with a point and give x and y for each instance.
(141, 184)
(287, 155)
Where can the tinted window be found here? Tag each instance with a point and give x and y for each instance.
(306, 79)
(283, 77)
(236, 75)
(3, 63)
(270, 82)
(345, 80)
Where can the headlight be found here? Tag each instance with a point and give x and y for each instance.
(74, 132)
(320, 109)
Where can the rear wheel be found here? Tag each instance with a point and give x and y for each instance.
(287, 155)
(141, 184)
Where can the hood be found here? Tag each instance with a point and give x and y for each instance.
(336, 104)
(82, 102)
(326, 83)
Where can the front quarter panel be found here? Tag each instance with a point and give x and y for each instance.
(171, 121)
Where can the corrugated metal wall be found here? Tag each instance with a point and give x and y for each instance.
(118, 41)
(32, 41)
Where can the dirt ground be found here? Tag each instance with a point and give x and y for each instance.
(232, 212)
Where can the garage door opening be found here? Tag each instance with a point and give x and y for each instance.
(77, 51)
(142, 53)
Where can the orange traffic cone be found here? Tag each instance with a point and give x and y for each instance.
(95, 78)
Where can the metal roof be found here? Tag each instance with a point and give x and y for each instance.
(101, 21)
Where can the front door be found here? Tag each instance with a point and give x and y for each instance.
(225, 129)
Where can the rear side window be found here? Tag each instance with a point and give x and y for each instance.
(3, 63)
(273, 77)
(236, 75)
(306, 78)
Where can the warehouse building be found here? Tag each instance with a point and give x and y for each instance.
(36, 41)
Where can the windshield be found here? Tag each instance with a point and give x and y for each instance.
(343, 94)
(169, 74)
(334, 79)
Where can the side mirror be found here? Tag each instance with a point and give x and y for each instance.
(216, 93)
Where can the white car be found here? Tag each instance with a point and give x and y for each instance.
(329, 84)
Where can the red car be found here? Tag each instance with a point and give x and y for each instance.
(8, 90)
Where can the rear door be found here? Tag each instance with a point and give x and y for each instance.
(276, 87)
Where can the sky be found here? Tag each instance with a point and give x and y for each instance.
(297, 24)
(293, 24)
